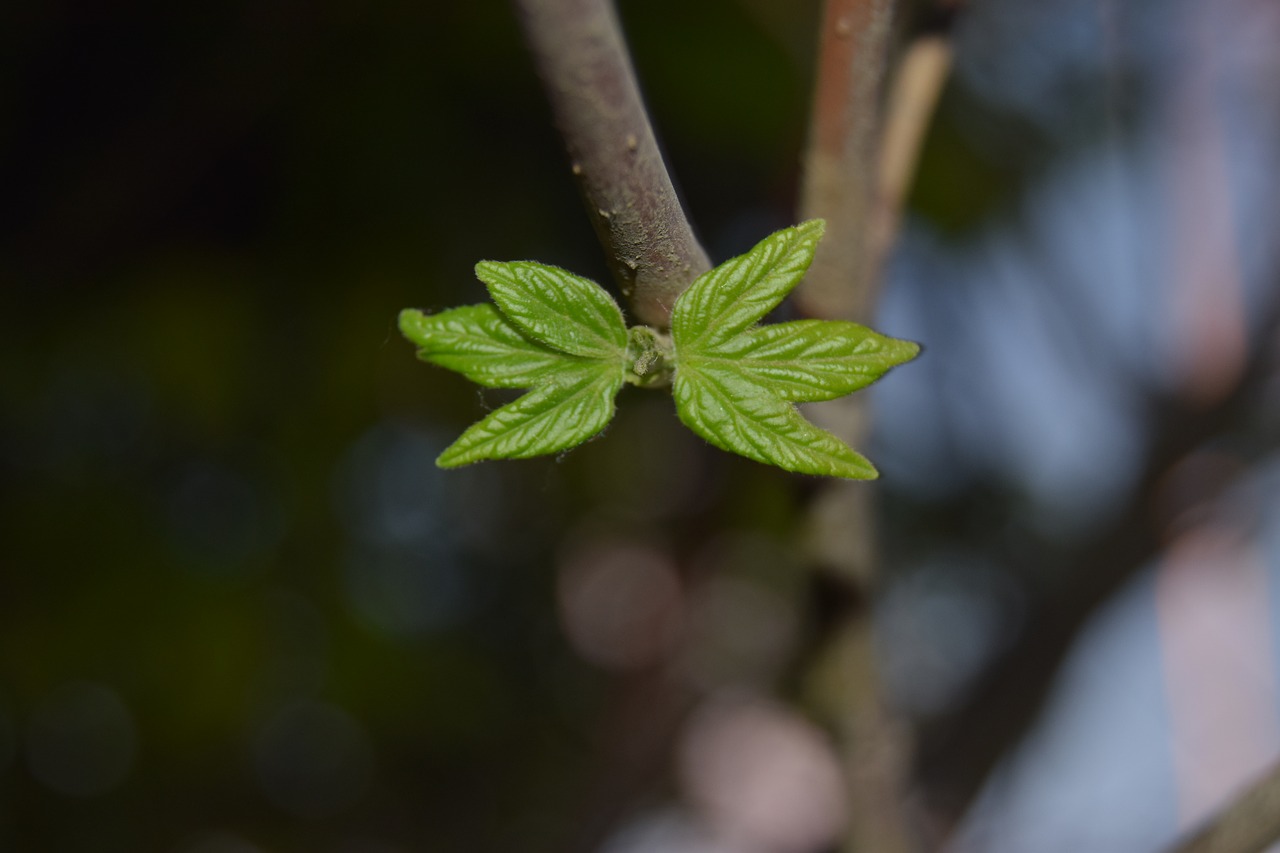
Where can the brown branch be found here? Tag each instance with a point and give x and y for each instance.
(578, 48)
(853, 268)
(582, 59)
(841, 161)
(856, 180)
(1250, 824)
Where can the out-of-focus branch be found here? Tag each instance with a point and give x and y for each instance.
(1250, 824)
(860, 235)
(913, 97)
(841, 161)
(586, 71)
(857, 169)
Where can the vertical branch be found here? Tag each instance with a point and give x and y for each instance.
(858, 167)
(586, 72)
(840, 163)
(913, 98)
(838, 186)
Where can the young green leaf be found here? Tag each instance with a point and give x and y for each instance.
(556, 333)
(738, 415)
(482, 345)
(736, 383)
(809, 360)
(566, 312)
(566, 410)
(738, 293)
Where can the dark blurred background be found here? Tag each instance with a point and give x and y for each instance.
(241, 611)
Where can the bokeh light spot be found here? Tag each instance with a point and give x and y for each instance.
(761, 776)
(621, 603)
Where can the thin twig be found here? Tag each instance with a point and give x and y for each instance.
(917, 84)
(1250, 824)
(586, 72)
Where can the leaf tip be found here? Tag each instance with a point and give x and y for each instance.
(869, 473)
(812, 227)
(411, 322)
(854, 466)
(452, 457)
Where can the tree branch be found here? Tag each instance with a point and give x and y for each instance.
(913, 96)
(580, 54)
(1250, 824)
(857, 184)
(841, 161)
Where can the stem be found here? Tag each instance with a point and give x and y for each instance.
(580, 54)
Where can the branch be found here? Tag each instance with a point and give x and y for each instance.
(913, 98)
(1250, 824)
(855, 182)
(841, 161)
(580, 55)
(863, 203)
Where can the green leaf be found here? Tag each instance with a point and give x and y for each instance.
(810, 360)
(482, 345)
(738, 293)
(738, 415)
(736, 383)
(558, 334)
(564, 411)
(566, 312)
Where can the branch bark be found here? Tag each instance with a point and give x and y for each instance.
(855, 181)
(841, 161)
(578, 48)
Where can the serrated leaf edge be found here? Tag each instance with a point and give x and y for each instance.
(556, 327)
(463, 451)
(846, 462)
(693, 332)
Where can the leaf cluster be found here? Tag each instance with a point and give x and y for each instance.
(736, 383)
